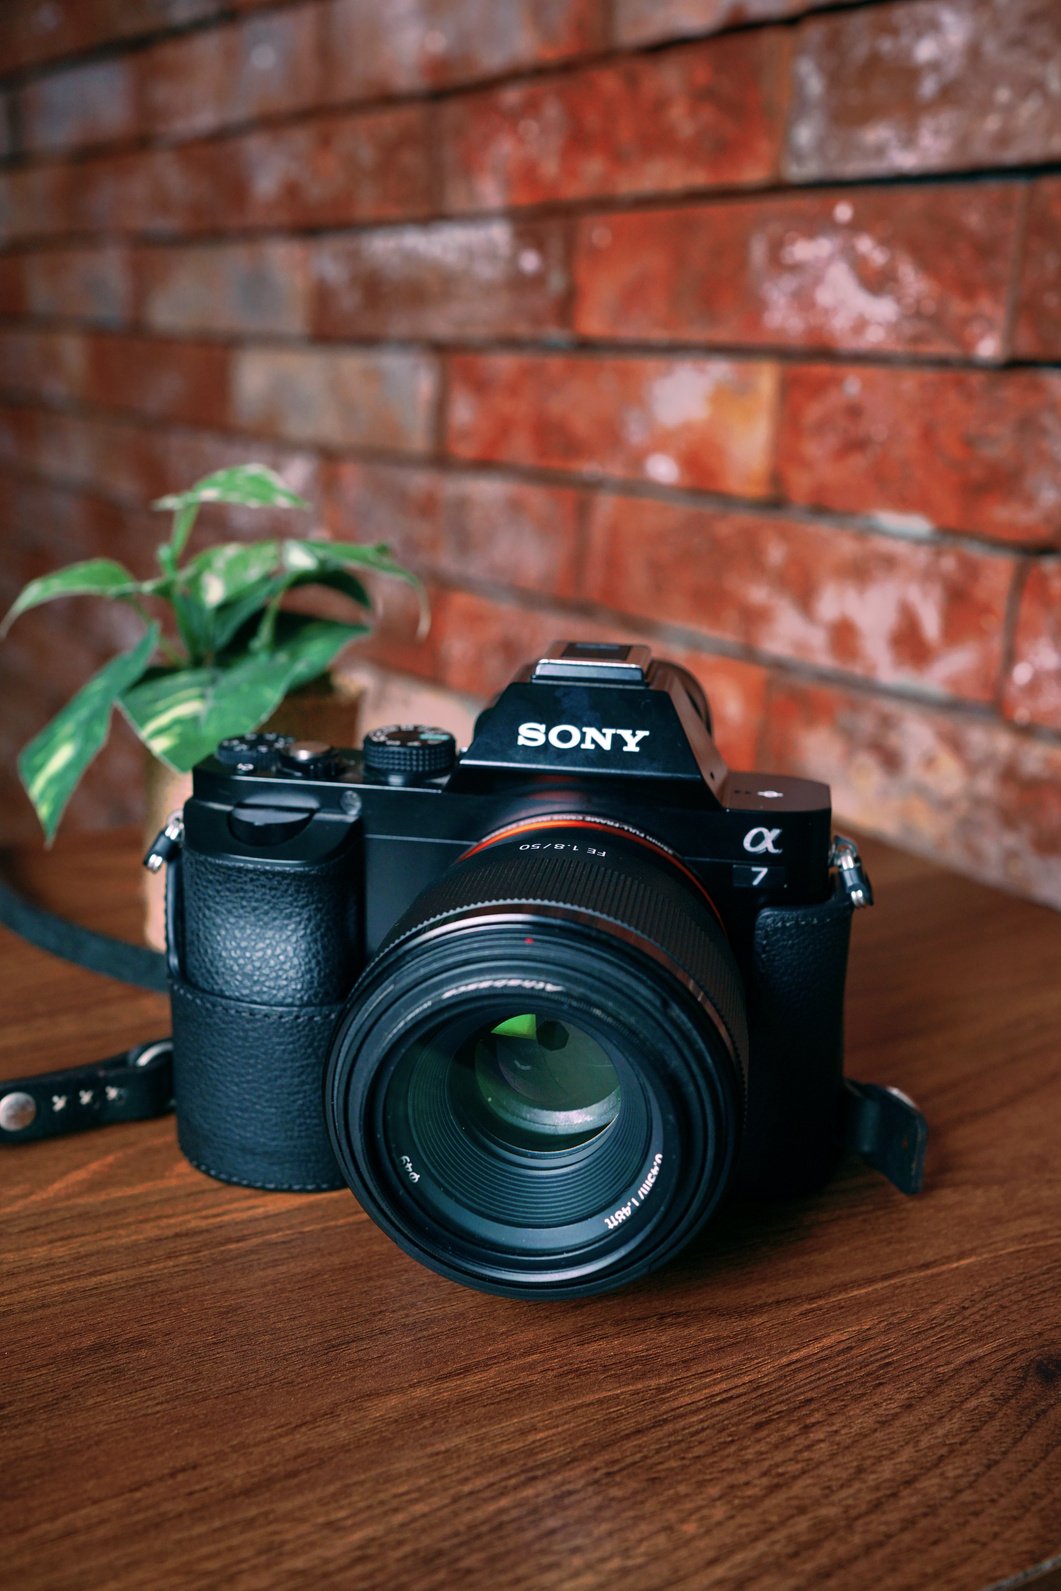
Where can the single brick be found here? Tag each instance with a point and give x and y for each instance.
(970, 792)
(80, 105)
(882, 607)
(258, 66)
(407, 45)
(383, 399)
(1038, 330)
(461, 525)
(369, 167)
(702, 115)
(237, 288)
(162, 380)
(479, 643)
(925, 86)
(957, 450)
(909, 269)
(682, 422)
(510, 532)
(1033, 689)
(89, 284)
(335, 170)
(43, 364)
(448, 280)
(389, 503)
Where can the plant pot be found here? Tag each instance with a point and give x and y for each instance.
(324, 710)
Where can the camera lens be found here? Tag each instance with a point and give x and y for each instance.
(543, 1082)
(537, 1087)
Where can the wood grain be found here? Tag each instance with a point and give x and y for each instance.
(205, 1385)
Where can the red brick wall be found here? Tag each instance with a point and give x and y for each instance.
(731, 323)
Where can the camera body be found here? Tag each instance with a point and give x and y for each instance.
(592, 791)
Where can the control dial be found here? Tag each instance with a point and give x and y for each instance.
(407, 753)
(257, 753)
(313, 759)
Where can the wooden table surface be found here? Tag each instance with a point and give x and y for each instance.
(206, 1386)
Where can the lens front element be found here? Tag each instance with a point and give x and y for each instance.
(545, 1083)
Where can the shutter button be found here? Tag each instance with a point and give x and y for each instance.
(311, 759)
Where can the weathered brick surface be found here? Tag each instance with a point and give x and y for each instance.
(958, 450)
(908, 269)
(351, 399)
(1033, 689)
(463, 525)
(1038, 331)
(967, 791)
(877, 606)
(333, 171)
(90, 284)
(682, 422)
(245, 288)
(408, 45)
(583, 307)
(83, 105)
(34, 31)
(703, 114)
(449, 280)
(925, 85)
(265, 65)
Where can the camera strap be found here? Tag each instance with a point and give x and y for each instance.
(135, 1084)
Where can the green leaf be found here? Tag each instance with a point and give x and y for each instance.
(249, 485)
(253, 485)
(182, 715)
(53, 762)
(100, 577)
(223, 573)
(367, 556)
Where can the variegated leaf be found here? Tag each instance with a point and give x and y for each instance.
(53, 762)
(182, 715)
(100, 577)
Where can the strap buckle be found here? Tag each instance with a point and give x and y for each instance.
(131, 1086)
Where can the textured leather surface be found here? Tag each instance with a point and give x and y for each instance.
(795, 1010)
(271, 935)
(248, 1083)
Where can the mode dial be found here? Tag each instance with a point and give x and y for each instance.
(252, 752)
(407, 753)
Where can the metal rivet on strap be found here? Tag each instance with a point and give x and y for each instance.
(17, 1112)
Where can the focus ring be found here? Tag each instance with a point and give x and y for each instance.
(621, 889)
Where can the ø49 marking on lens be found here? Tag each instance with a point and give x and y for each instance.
(407, 1165)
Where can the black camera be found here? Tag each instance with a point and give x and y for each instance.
(540, 1003)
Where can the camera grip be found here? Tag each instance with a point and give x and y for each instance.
(247, 1079)
(269, 934)
(796, 1020)
(262, 956)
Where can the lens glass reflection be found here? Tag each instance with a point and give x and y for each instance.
(544, 1083)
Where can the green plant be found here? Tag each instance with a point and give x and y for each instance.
(231, 654)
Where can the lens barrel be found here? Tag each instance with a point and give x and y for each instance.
(537, 1088)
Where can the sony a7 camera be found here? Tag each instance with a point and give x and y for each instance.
(541, 1003)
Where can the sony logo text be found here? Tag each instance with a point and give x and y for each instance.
(565, 737)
